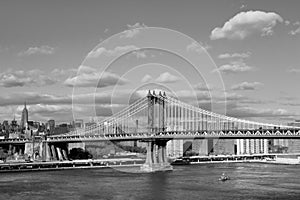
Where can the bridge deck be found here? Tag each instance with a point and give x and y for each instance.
(170, 135)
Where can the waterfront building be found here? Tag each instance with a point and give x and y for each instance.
(78, 123)
(51, 126)
(223, 147)
(24, 117)
(294, 144)
(252, 146)
(203, 147)
(90, 124)
(5, 125)
(61, 129)
(175, 148)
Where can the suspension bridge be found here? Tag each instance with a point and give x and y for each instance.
(157, 118)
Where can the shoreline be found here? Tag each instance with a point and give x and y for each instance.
(66, 165)
(108, 163)
(71, 168)
(245, 161)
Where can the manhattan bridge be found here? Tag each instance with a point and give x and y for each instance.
(157, 118)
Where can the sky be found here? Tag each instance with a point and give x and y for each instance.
(85, 59)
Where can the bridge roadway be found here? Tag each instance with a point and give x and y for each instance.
(169, 135)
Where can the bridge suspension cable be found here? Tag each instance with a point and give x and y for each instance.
(178, 116)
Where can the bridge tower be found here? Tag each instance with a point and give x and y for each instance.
(156, 158)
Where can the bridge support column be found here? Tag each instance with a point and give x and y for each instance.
(156, 160)
(164, 153)
(154, 155)
(46, 154)
(53, 152)
(161, 110)
(149, 154)
(65, 154)
(10, 147)
(59, 154)
(14, 150)
(160, 154)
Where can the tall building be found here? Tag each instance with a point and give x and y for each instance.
(223, 147)
(175, 148)
(24, 118)
(294, 144)
(252, 146)
(51, 126)
(78, 123)
(203, 147)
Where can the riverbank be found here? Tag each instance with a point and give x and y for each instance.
(268, 159)
(137, 162)
(76, 164)
(281, 162)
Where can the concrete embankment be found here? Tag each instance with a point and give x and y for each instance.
(76, 164)
(269, 158)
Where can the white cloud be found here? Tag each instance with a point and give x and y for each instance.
(247, 23)
(105, 97)
(133, 30)
(198, 47)
(249, 112)
(287, 22)
(167, 78)
(63, 72)
(89, 77)
(44, 106)
(202, 87)
(234, 67)
(297, 23)
(119, 50)
(22, 78)
(243, 6)
(234, 55)
(46, 50)
(246, 86)
(139, 54)
(146, 78)
(33, 98)
(294, 32)
(294, 70)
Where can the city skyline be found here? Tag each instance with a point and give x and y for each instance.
(43, 56)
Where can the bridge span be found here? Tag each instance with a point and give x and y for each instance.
(156, 119)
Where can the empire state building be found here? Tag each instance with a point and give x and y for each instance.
(24, 118)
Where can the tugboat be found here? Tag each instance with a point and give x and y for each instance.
(224, 178)
(181, 161)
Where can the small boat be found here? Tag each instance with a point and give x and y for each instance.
(224, 177)
(181, 161)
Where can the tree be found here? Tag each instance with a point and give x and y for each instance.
(3, 154)
(79, 153)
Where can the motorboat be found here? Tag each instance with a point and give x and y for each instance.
(224, 177)
(181, 161)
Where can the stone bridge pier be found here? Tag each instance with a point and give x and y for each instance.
(156, 159)
(55, 151)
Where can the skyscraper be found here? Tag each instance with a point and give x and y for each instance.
(252, 146)
(293, 144)
(24, 118)
(51, 126)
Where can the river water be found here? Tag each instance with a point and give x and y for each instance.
(248, 181)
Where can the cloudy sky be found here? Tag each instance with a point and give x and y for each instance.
(83, 59)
